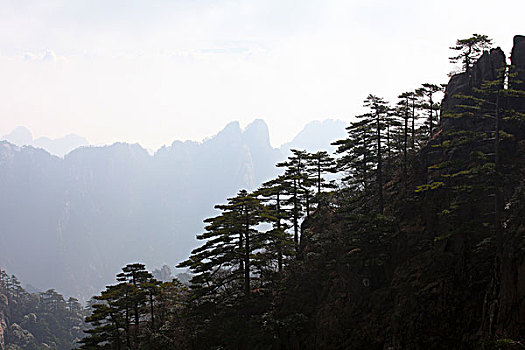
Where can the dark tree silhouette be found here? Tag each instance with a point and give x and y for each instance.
(470, 49)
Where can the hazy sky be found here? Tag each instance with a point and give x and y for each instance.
(153, 71)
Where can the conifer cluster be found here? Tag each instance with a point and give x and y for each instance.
(323, 232)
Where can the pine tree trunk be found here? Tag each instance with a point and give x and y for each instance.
(295, 216)
(498, 200)
(319, 176)
(151, 310)
(241, 258)
(247, 255)
(430, 119)
(405, 141)
(307, 202)
(414, 124)
(117, 335)
(379, 166)
(279, 242)
(128, 322)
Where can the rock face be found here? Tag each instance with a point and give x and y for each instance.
(508, 292)
(517, 60)
(486, 68)
(441, 288)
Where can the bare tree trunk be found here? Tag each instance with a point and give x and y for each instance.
(379, 166)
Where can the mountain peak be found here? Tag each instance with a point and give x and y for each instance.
(257, 124)
(232, 126)
(257, 133)
(317, 136)
(20, 136)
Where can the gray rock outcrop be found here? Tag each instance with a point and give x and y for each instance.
(486, 68)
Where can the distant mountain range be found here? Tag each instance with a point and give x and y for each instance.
(317, 136)
(71, 223)
(21, 136)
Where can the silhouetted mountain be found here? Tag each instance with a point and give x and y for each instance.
(19, 136)
(61, 146)
(81, 218)
(317, 136)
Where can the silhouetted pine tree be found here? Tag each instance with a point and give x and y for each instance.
(223, 264)
(279, 244)
(299, 184)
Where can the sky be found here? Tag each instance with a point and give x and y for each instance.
(155, 71)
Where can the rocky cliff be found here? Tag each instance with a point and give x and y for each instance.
(458, 285)
(517, 60)
(427, 275)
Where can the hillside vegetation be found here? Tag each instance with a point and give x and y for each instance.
(410, 236)
(419, 245)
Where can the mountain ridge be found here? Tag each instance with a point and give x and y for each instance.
(98, 207)
(61, 146)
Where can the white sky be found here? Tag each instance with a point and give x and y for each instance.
(153, 71)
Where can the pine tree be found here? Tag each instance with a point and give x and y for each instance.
(299, 183)
(40, 320)
(393, 141)
(470, 49)
(379, 111)
(415, 98)
(134, 276)
(109, 329)
(273, 195)
(320, 163)
(403, 111)
(124, 314)
(375, 129)
(428, 90)
(223, 264)
(358, 155)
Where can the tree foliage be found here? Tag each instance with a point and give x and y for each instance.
(37, 321)
(470, 49)
(139, 312)
(415, 219)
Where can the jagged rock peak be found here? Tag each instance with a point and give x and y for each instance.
(257, 133)
(518, 42)
(231, 127)
(258, 125)
(485, 68)
(517, 59)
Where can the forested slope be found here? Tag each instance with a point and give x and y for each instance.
(37, 321)
(418, 245)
